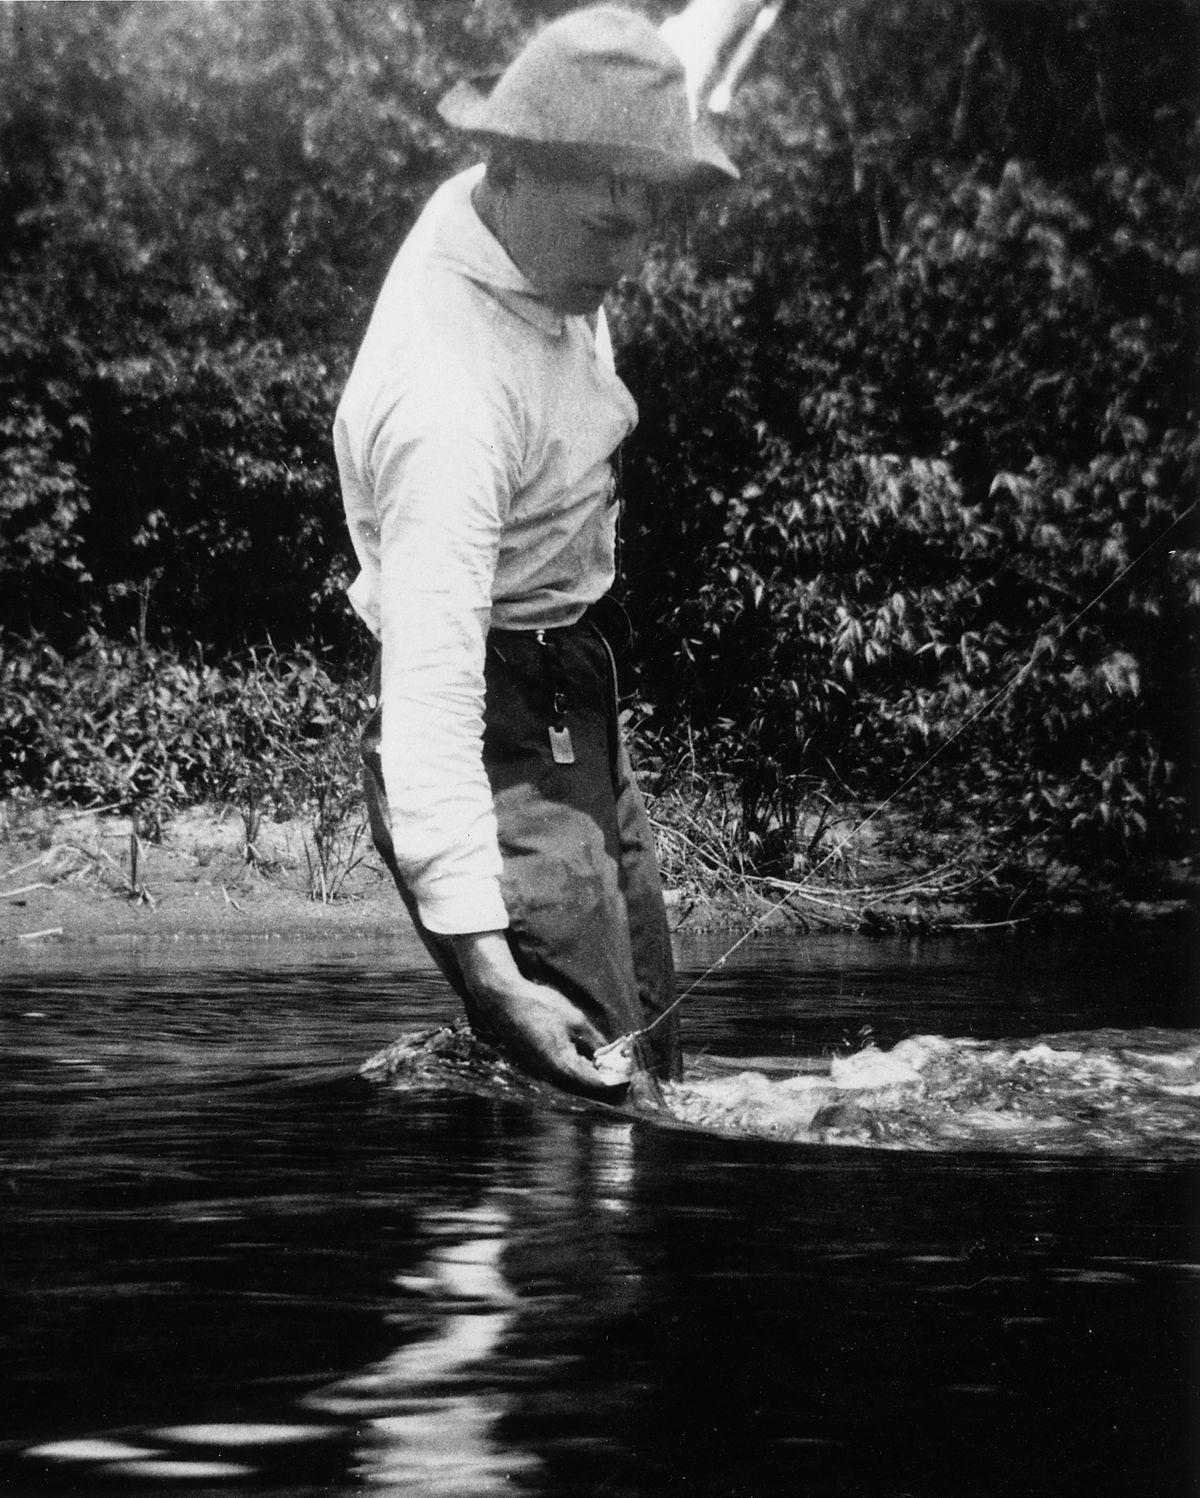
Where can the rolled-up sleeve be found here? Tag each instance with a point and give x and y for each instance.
(440, 458)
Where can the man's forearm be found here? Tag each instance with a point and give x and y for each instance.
(485, 961)
(543, 1028)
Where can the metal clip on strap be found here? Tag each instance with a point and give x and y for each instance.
(562, 751)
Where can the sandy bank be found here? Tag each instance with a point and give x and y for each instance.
(88, 877)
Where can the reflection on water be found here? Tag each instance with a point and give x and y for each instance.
(951, 1253)
(427, 1412)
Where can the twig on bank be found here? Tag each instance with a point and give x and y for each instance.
(932, 884)
(36, 935)
(819, 912)
(983, 925)
(799, 892)
(55, 850)
(25, 889)
(29, 863)
(135, 891)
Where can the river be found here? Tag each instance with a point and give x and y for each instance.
(921, 1221)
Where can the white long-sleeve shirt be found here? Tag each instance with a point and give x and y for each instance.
(473, 443)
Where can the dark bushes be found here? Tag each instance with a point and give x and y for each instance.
(971, 539)
(923, 518)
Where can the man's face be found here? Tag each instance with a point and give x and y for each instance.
(575, 238)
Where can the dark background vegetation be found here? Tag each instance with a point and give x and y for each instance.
(919, 424)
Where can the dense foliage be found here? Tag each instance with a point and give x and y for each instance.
(919, 432)
(144, 729)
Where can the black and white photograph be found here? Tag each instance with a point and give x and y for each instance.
(599, 724)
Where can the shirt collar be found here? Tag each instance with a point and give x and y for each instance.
(463, 243)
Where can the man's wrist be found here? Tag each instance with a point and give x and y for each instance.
(485, 959)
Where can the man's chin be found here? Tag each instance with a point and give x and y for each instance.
(580, 301)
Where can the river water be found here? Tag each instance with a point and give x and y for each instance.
(921, 1221)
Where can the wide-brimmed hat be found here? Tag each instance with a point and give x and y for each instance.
(603, 86)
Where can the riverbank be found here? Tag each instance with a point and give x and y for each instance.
(91, 877)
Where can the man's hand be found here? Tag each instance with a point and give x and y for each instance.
(542, 1028)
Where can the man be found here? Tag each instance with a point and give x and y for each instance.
(475, 442)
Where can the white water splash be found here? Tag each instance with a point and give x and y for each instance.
(1104, 1091)
(1132, 1093)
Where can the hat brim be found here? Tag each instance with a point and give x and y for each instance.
(466, 107)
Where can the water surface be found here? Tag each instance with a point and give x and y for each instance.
(229, 1265)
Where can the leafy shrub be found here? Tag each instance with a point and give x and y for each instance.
(949, 514)
(143, 730)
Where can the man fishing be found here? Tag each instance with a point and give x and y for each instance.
(475, 444)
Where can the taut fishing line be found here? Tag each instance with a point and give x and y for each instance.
(985, 707)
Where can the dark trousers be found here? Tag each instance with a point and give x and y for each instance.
(580, 879)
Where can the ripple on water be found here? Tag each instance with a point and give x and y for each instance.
(228, 1435)
(164, 1469)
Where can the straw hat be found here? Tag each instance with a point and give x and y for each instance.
(602, 86)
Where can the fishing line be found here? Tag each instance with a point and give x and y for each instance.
(1046, 643)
